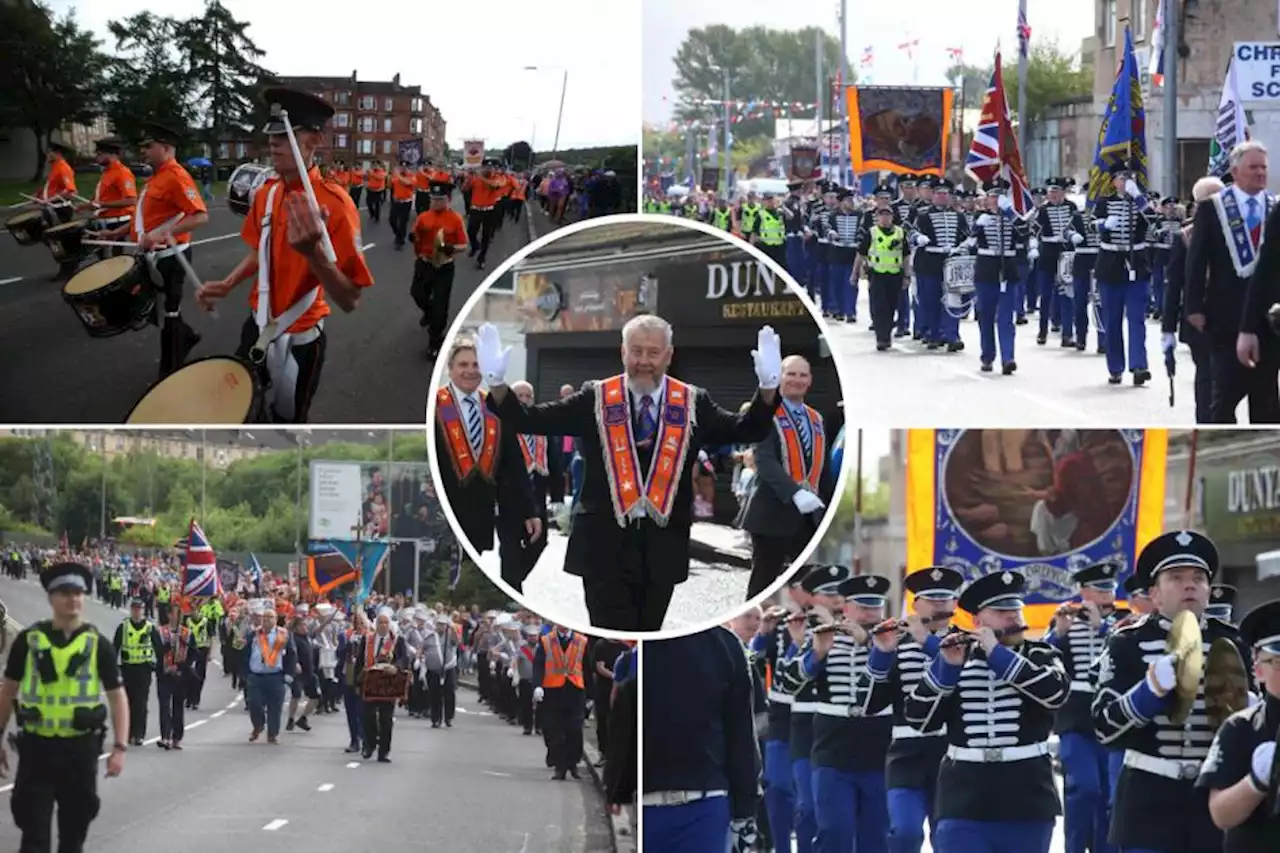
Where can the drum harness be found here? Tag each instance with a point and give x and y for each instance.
(107, 220)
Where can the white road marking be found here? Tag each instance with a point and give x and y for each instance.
(196, 724)
(367, 246)
(10, 280)
(352, 765)
(327, 786)
(275, 824)
(234, 703)
(216, 714)
(150, 741)
(496, 773)
(6, 788)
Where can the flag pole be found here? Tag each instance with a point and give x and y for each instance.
(1170, 117)
(1024, 49)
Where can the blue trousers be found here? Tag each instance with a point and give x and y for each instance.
(1087, 783)
(1125, 302)
(976, 836)
(266, 700)
(909, 808)
(844, 302)
(354, 706)
(1081, 300)
(798, 264)
(779, 793)
(1027, 297)
(1155, 292)
(1115, 763)
(804, 820)
(698, 827)
(929, 315)
(1045, 282)
(818, 275)
(852, 811)
(904, 309)
(995, 318)
(813, 273)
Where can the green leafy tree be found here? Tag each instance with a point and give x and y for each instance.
(222, 65)
(149, 81)
(762, 64)
(51, 73)
(1052, 77)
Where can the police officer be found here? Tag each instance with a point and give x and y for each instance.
(62, 677)
(201, 633)
(721, 217)
(768, 231)
(884, 248)
(940, 232)
(1222, 601)
(1238, 774)
(900, 658)
(701, 774)
(138, 644)
(1080, 634)
(163, 594)
(1123, 275)
(748, 210)
(996, 693)
(1156, 807)
(852, 725)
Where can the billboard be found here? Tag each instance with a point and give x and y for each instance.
(374, 500)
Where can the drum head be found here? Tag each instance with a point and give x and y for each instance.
(25, 217)
(67, 227)
(99, 275)
(216, 390)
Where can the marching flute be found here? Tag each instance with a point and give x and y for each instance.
(968, 638)
(900, 625)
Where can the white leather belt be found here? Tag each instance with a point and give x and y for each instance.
(1169, 768)
(781, 698)
(997, 754)
(679, 798)
(992, 253)
(1081, 687)
(115, 220)
(803, 707)
(1087, 250)
(907, 733)
(836, 709)
(297, 339)
(937, 250)
(1116, 247)
(1058, 240)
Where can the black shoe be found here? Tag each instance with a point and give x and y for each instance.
(288, 727)
(1009, 368)
(932, 345)
(355, 747)
(448, 724)
(559, 776)
(1101, 350)
(986, 367)
(1021, 321)
(882, 346)
(382, 759)
(1082, 346)
(573, 771)
(435, 725)
(1055, 328)
(367, 754)
(1141, 377)
(1114, 379)
(303, 724)
(1041, 339)
(423, 321)
(528, 731)
(1067, 343)
(955, 346)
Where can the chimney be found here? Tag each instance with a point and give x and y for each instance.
(395, 81)
(353, 75)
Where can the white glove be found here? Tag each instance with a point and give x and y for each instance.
(515, 679)
(1263, 757)
(986, 220)
(537, 694)
(768, 358)
(1254, 698)
(1033, 255)
(923, 240)
(1033, 244)
(1076, 239)
(1168, 342)
(807, 502)
(491, 355)
(959, 250)
(493, 667)
(1111, 223)
(288, 679)
(554, 507)
(1131, 188)
(1005, 203)
(1163, 674)
(970, 243)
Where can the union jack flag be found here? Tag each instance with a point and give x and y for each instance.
(868, 55)
(1024, 30)
(994, 150)
(200, 566)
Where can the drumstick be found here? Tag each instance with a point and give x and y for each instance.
(36, 200)
(193, 278)
(310, 192)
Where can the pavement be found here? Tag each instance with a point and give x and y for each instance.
(910, 386)
(377, 369)
(716, 588)
(479, 787)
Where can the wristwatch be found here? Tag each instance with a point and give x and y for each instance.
(119, 747)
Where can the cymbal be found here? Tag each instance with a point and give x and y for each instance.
(1226, 682)
(1186, 644)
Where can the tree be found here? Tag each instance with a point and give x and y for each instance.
(762, 64)
(148, 80)
(52, 73)
(222, 64)
(1052, 77)
(972, 80)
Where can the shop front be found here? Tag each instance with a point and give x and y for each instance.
(1240, 510)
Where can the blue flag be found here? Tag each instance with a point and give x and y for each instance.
(1122, 136)
(255, 573)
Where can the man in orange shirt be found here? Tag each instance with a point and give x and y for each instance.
(285, 333)
(519, 185)
(402, 190)
(168, 210)
(376, 189)
(422, 187)
(486, 197)
(116, 195)
(356, 186)
(59, 186)
(432, 286)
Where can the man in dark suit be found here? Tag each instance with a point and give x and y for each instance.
(381, 649)
(544, 465)
(1218, 273)
(793, 484)
(480, 462)
(630, 538)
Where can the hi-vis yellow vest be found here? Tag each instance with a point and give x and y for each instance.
(48, 709)
(884, 255)
(137, 646)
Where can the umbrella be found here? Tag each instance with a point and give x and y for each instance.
(552, 164)
(199, 162)
(1171, 367)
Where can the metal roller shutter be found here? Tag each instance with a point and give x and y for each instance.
(558, 367)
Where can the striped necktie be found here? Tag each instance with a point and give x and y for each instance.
(802, 427)
(475, 424)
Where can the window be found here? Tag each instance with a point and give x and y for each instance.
(342, 98)
(1109, 23)
(240, 150)
(367, 101)
(224, 150)
(342, 120)
(340, 141)
(386, 125)
(389, 105)
(366, 124)
(1139, 12)
(416, 105)
(386, 146)
(366, 146)
(415, 125)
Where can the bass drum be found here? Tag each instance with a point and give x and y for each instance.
(27, 228)
(112, 296)
(214, 390)
(244, 182)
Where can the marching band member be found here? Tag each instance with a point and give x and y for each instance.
(1156, 807)
(843, 232)
(116, 195)
(899, 658)
(1124, 274)
(644, 411)
(287, 254)
(793, 218)
(376, 189)
(1080, 635)
(770, 647)
(356, 186)
(402, 193)
(1222, 601)
(1054, 220)
(793, 483)
(852, 726)
(382, 648)
(995, 275)
(1239, 770)
(57, 193)
(483, 212)
(996, 786)
(1083, 234)
(940, 232)
(432, 285)
(545, 467)
(441, 666)
(1164, 227)
(820, 223)
(905, 208)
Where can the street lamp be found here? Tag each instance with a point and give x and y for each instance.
(564, 84)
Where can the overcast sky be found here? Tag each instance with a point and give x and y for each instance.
(468, 59)
(938, 24)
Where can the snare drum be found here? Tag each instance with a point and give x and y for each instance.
(244, 182)
(66, 241)
(27, 228)
(111, 296)
(1065, 263)
(957, 274)
(213, 390)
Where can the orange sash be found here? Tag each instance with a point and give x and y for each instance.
(461, 455)
(372, 652)
(175, 646)
(803, 472)
(269, 654)
(655, 495)
(534, 450)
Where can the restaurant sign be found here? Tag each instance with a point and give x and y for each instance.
(1243, 501)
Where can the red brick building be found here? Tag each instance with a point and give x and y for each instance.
(370, 118)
